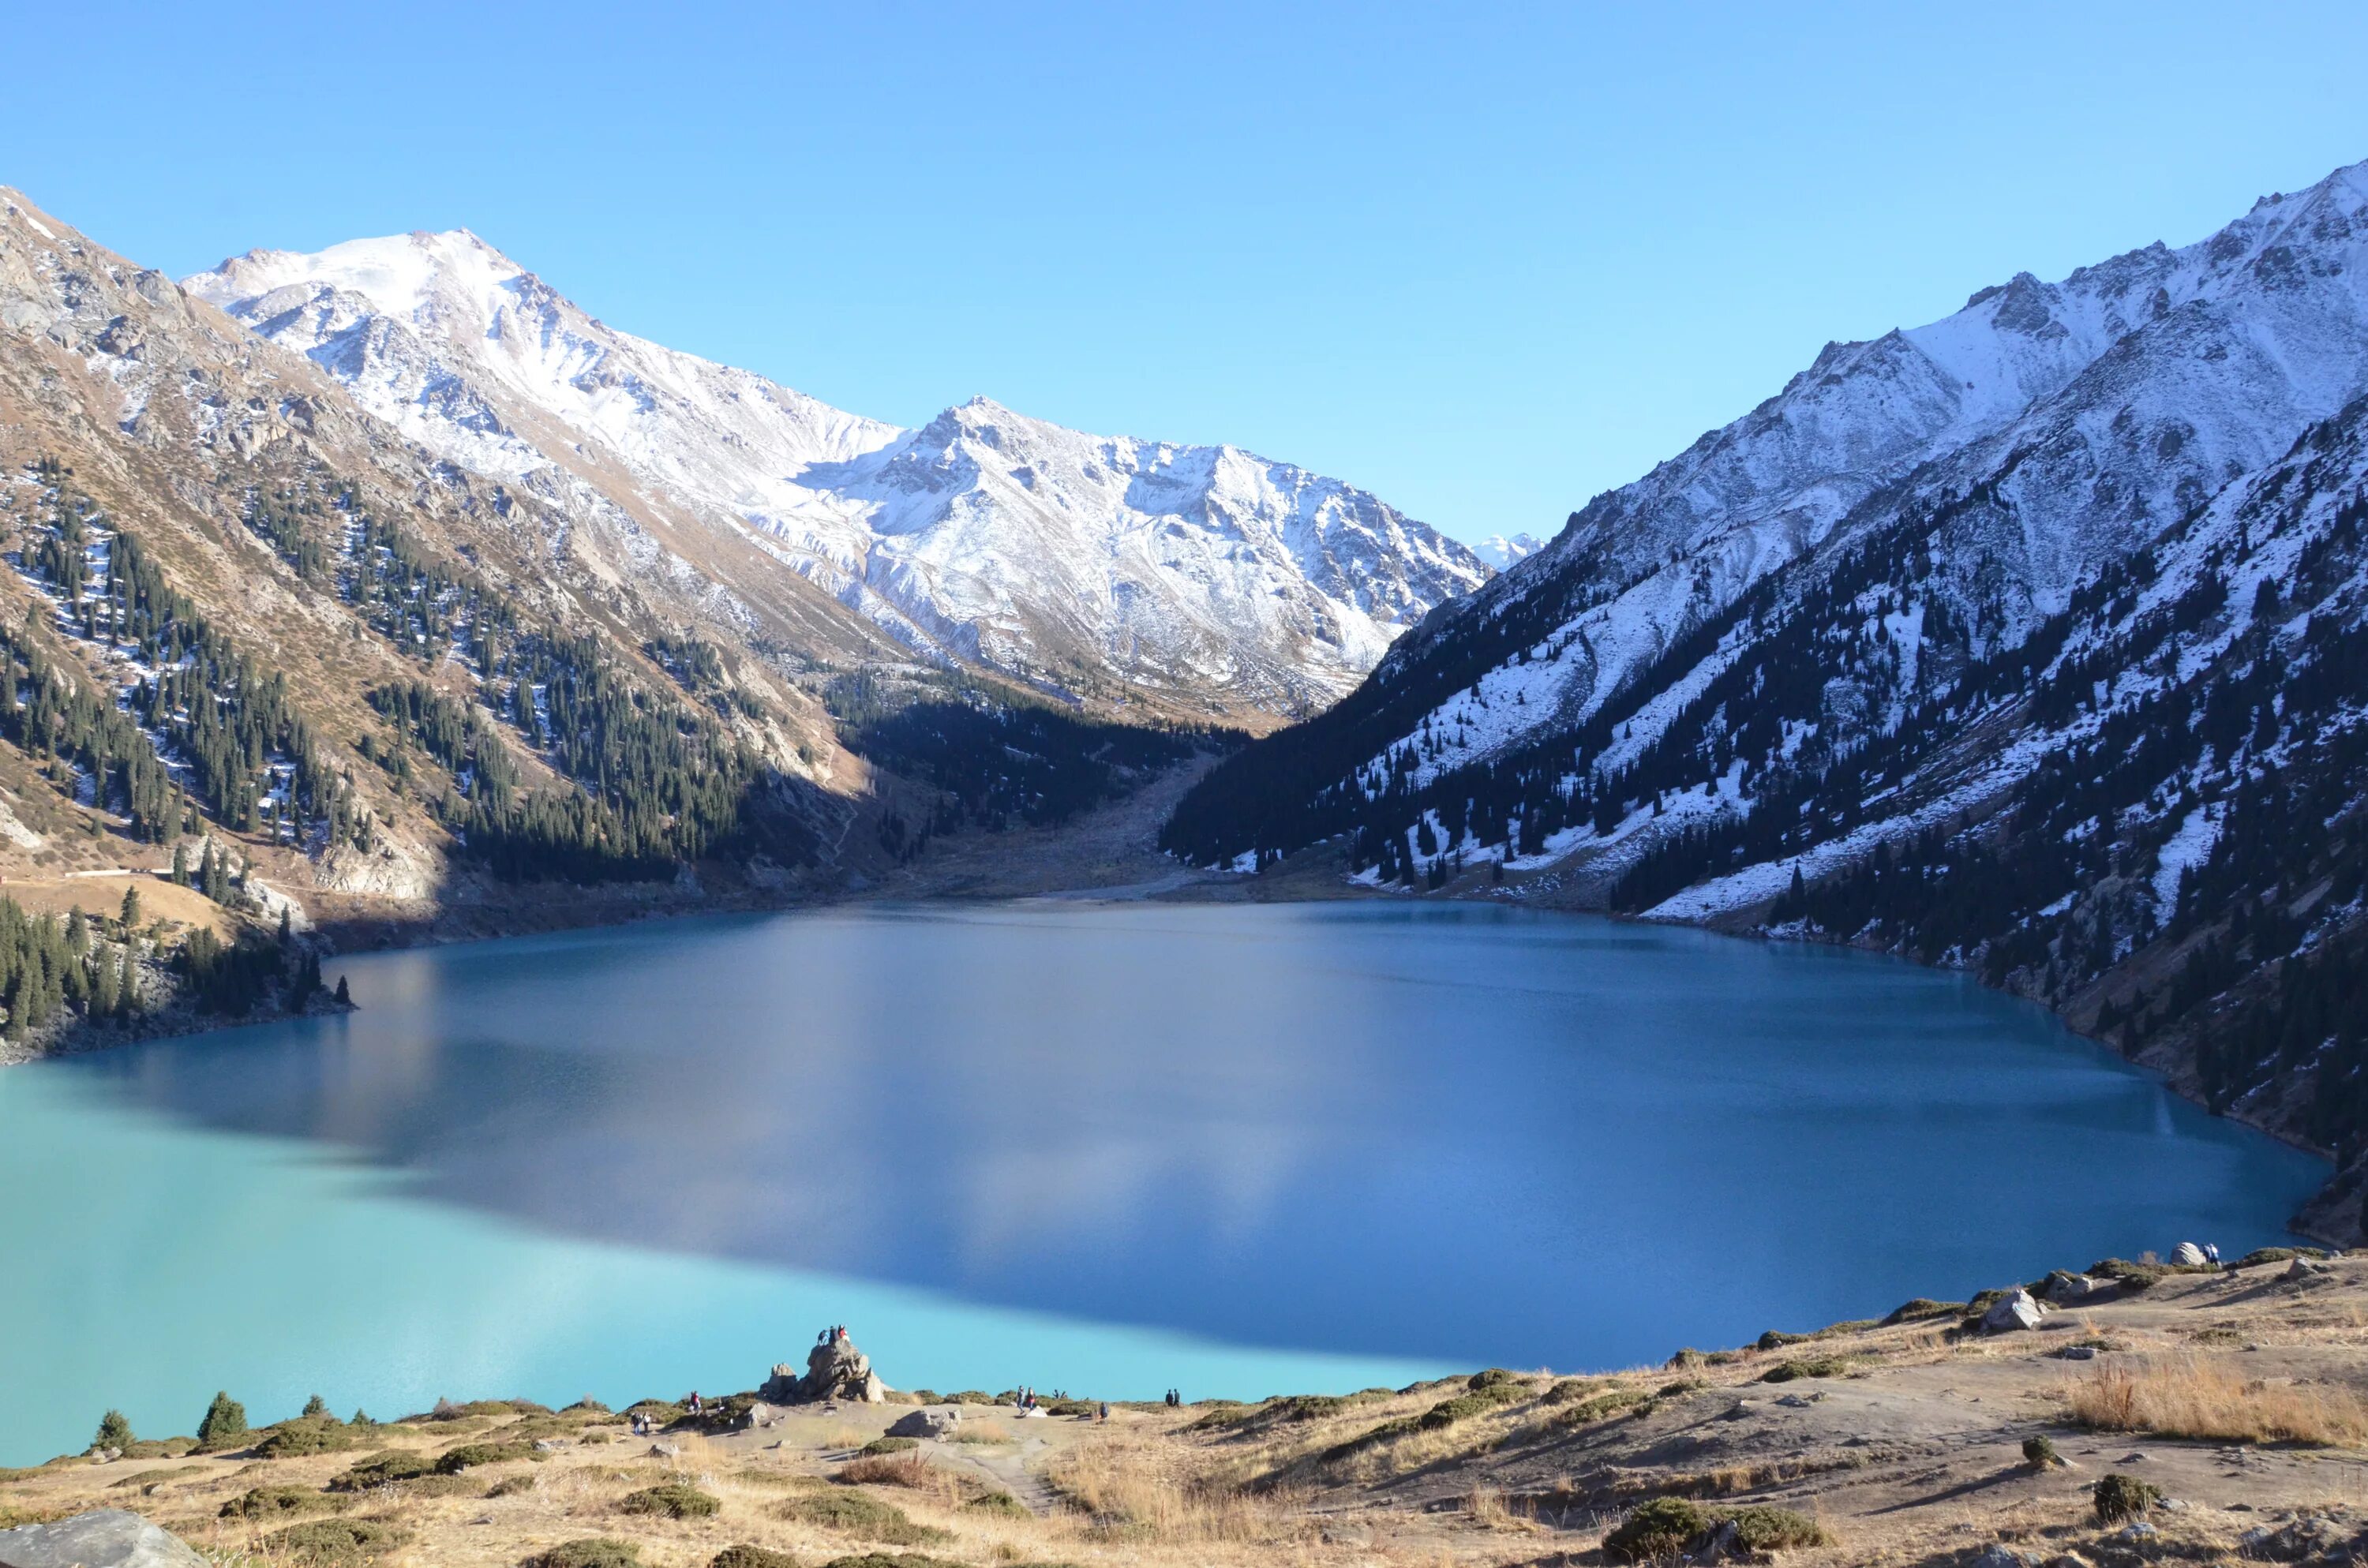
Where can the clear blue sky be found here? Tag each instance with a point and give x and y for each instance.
(1484, 263)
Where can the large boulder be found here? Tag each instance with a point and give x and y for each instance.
(108, 1539)
(927, 1424)
(2187, 1255)
(835, 1369)
(2016, 1309)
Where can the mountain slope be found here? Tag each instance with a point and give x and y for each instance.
(2030, 642)
(1096, 566)
(251, 620)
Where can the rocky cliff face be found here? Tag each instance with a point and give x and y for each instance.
(1104, 567)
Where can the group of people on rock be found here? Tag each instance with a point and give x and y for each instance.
(832, 1335)
(1174, 1401)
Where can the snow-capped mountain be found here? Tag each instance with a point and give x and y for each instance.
(1501, 551)
(2040, 431)
(2033, 641)
(1094, 564)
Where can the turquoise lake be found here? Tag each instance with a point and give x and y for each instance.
(1109, 1149)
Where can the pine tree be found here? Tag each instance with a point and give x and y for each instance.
(345, 998)
(105, 1001)
(180, 865)
(224, 1423)
(130, 916)
(317, 1405)
(114, 1432)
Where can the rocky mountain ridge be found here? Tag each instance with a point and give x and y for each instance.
(1104, 567)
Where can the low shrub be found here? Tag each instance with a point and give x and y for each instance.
(159, 1449)
(660, 1412)
(1495, 1378)
(1776, 1339)
(2119, 1497)
(752, 1557)
(674, 1500)
(447, 1410)
(279, 1503)
(514, 1485)
(851, 1513)
(1476, 1401)
(2260, 1256)
(1662, 1528)
(1680, 1388)
(1764, 1528)
(383, 1468)
(1808, 1367)
(305, 1435)
(894, 1560)
(1657, 1527)
(468, 1456)
(329, 1541)
(1617, 1402)
(594, 1551)
(1564, 1389)
(890, 1469)
(878, 1446)
(1002, 1503)
(1226, 1417)
(2136, 1277)
(2039, 1453)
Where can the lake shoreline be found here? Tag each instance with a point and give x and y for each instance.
(1107, 854)
(1909, 1438)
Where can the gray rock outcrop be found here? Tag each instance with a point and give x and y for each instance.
(112, 1537)
(2064, 1287)
(2016, 1309)
(927, 1424)
(835, 1369)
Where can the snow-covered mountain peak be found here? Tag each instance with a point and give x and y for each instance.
(1501, 551)
(1073, 558)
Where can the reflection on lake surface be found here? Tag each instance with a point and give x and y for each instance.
(1238, 1150)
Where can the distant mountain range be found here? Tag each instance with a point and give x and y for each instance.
(2031, 641)
(1094, 566)
(1502, 550)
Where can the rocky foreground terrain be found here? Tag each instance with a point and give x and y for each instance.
(2149, 1415)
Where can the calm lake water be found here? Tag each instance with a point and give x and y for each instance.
(1109, 1149)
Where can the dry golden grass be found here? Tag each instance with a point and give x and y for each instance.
(1133, 1481)
(2206, 1396)
(986, 1429)
(909, 1470)
(102, 897)
(1487, 1506)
